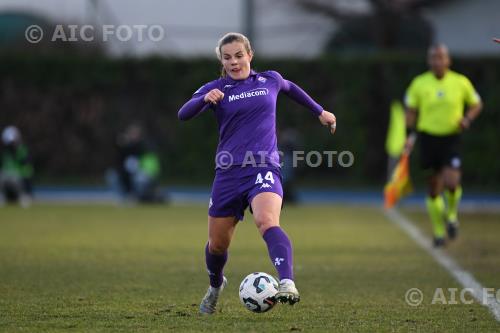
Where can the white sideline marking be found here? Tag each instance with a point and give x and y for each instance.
(462, 276)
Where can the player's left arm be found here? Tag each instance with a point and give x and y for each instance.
(471, 113)
(412, 104)
(296, 93)
(474, 105)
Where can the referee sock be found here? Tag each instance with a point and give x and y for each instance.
(452, 201)
(215, 265)
(280, 251)
(435, 207)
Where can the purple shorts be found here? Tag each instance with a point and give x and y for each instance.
(234, 188)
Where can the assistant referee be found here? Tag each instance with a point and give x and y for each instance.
(443, 104)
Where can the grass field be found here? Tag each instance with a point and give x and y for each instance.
(103, 268)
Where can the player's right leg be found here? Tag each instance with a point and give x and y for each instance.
(435, 208)
(220, 233)
(433, 157)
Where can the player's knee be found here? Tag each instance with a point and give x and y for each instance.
(451, 183)
(265, 221)
(435, 188)
(452, 187)
(434, 194)
(217, 247)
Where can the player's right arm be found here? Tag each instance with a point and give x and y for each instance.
(411, 117)
(213, 96)
(411, 106)
(202, 99)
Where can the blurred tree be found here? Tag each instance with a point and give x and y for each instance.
(374, 25)
(14, 34)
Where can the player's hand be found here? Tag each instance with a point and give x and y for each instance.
(409, 143)
(465, 123)
(497, 40)
(328, 119)
(213, 96)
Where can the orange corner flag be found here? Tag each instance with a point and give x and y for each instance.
(400, 183)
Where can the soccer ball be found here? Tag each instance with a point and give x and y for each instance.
(258, 291)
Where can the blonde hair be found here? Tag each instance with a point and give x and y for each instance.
(228, 39)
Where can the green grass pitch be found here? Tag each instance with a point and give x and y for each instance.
(141, 269)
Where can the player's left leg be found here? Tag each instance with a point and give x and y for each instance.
(266, 207)
(453, 194)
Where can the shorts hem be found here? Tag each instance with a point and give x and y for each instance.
(256, 194)
(239, 217)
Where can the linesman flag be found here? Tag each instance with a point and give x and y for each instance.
(400, 183)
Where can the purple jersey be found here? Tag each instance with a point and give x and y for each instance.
(246, 116)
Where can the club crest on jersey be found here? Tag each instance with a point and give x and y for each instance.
(249, 93)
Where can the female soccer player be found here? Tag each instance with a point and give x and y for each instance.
(247, 161)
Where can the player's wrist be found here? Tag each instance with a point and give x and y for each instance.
(410, 131)
(466, 122)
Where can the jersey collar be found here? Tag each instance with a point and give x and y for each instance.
(250, 77)
(441, 79)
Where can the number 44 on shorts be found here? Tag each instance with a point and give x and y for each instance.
(268, 176)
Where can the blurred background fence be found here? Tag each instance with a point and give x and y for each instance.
(71, 109)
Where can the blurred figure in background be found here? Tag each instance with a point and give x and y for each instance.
(396, 135)
(138, 168)
(16, 172)
(398, 164)
(435, 101)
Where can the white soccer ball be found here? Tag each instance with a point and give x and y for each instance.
(258, 291)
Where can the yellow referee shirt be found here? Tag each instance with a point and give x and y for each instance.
(440, 103)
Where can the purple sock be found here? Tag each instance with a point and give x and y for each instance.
(280, 251)
(215, 266)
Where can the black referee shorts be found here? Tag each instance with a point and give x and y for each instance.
(437, 152)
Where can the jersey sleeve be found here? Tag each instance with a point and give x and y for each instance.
(204, 89)
(297, 94)
(196, 104)
(411, 96)
(277, 76)
(471, 96)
